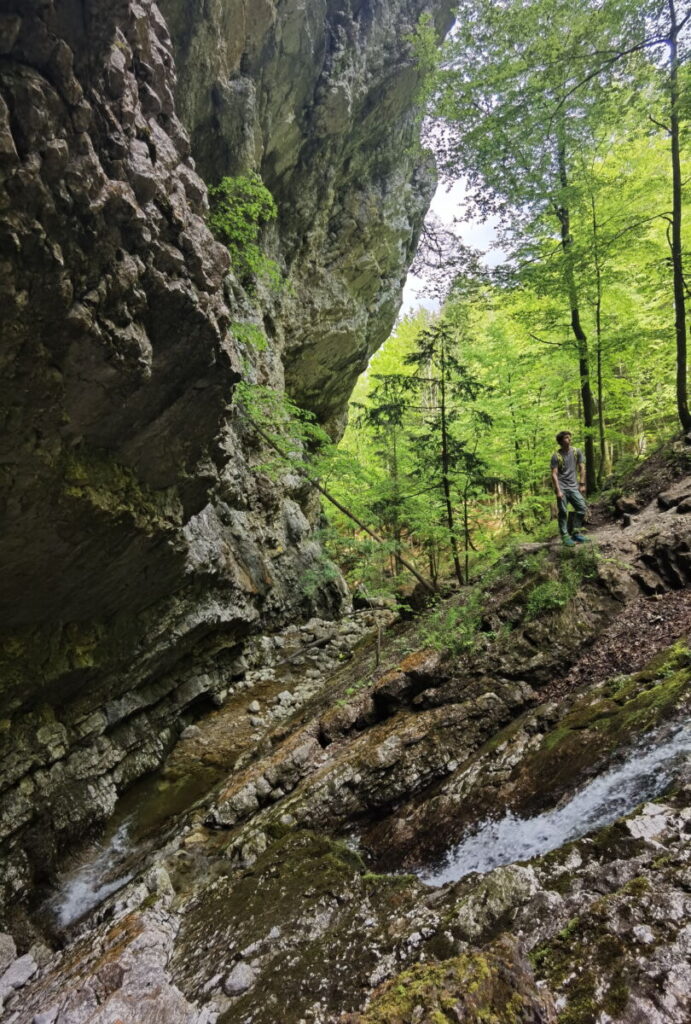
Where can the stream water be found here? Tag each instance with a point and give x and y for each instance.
(645, 774)
(151, 805)
(140, 816)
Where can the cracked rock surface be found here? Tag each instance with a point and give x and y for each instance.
(272, 896)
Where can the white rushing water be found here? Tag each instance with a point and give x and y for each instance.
(89, 884)
(646, 772)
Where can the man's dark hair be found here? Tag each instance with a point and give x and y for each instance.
(562, 434)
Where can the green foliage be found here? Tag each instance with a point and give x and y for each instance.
(416, 430)
(562, 140)
(555, 593)
(318, 576)
(292, 432)
(425, 48)
(512, 331)
(453, 627)
(240, 207)
(550, 596)
(250, 334)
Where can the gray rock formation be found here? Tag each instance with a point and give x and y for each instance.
(140, 543)
(284, 911)
(316, 96)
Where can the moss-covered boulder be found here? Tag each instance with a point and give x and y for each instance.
(495, 986)
(305, 926)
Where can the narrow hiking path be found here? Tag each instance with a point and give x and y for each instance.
(654, 617)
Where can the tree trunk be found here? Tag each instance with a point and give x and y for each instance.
(598, 336)
(675, 240)
(446, 484)
(466, 534)
(396, 519)
(579, 334)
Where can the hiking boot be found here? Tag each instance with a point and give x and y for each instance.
(568, 542)
(580, 539)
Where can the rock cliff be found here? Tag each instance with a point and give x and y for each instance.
(140, 542)
(316, 96)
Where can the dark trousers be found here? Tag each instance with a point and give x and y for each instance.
(578, 502)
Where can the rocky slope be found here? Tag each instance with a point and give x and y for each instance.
(272, 898)
(139, 541)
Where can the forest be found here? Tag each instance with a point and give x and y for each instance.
(570, 128)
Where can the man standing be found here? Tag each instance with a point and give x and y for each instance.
(568, 480)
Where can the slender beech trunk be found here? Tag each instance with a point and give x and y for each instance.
(598, 335)
(675, 240)
(564, 218)
(520, 473)
(516, 440)
(445, 468)
(432, 561)
(535, 486)
(466, 532)
(396, 522)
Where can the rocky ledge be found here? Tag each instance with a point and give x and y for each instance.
(544, 825)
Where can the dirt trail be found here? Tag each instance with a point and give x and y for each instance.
(648, 622)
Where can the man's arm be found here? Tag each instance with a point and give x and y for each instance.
(555, 482)
(581, 472)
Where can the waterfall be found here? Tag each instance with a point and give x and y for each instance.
(644, 774)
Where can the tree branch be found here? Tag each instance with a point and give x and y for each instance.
(659, 124)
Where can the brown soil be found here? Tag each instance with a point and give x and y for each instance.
(644, 627)
(646, 624)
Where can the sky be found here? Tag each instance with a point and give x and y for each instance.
(447, 204)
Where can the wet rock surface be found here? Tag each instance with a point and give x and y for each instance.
(271, 897)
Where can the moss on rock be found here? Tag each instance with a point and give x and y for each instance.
(113, 490)
(315, 922)
(493, 986)
(599, 723)
(591, 962)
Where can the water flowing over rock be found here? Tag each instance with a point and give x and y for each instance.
(646, 773)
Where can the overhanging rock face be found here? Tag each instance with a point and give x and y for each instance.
(318, 96)
(139, 540)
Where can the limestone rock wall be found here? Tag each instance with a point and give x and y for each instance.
(140, 539)
(316, 95)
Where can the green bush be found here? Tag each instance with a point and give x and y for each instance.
(250, 334)
(320, 575)
(453, 628)
(554, 594)
(549, 596)
(240, 207)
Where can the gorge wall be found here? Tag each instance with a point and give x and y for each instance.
(140, 541)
